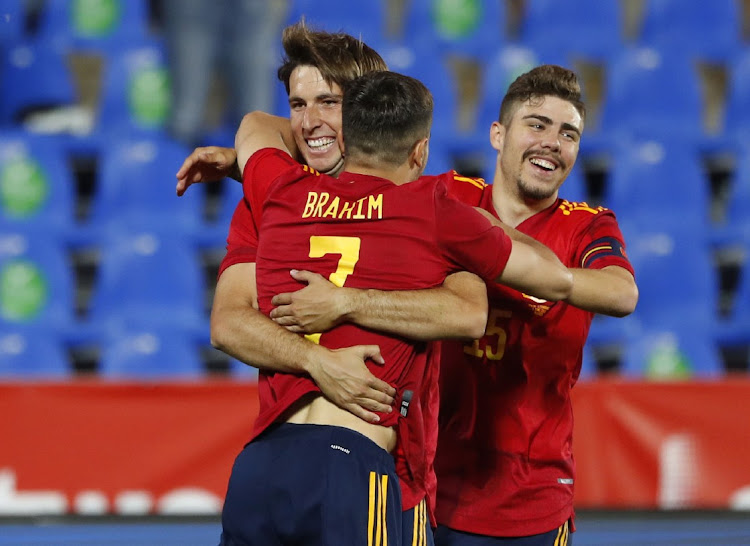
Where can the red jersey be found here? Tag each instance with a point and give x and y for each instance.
(366, 232)
(504, 462)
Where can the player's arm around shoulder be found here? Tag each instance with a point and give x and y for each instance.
(456, 309)
(532, 268)
(239, 329)
(259, 130)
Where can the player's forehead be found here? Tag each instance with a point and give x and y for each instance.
(307, 83)
(549, 107)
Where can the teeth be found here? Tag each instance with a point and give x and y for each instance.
(320, 142)
(543, 164)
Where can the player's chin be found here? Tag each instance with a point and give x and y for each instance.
(325, 165)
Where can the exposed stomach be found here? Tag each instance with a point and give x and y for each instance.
(315, 409)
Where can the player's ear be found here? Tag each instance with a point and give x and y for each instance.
(497, 135)
(419, 154)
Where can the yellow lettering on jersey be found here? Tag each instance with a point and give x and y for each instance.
(346, 210)
(375, 204)
(312, 197)
(360, 203)
(567, 207)
(333, 208)
(367, 208)
(322, 200)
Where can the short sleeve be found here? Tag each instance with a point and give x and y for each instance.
(468, 240)
(602, 244)
(261, 170)
(242, 241)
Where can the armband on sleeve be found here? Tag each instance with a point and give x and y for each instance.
(602, 248)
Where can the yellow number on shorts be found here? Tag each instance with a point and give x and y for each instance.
(348, 247)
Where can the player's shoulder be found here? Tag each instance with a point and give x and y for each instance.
(467, 189)
(580, 211)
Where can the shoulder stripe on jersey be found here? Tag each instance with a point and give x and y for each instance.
(568, 207)
(601, 248)
(310, 170)
(478, 182)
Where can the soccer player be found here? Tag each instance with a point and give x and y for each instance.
(341, 489)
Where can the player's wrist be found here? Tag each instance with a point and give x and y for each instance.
(347, 303)
(313, 362)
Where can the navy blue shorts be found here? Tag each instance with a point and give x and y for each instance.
(450, 537)
(314, 485)
(416, 527)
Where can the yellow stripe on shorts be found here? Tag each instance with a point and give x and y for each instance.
(377, 531)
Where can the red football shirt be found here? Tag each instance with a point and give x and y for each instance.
(504, 462)
(366, 232)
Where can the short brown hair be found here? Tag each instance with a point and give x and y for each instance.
(339, 57)
(384, 114)
(541, 81)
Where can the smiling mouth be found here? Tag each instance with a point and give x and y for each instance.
(320, 144)
(543, 164)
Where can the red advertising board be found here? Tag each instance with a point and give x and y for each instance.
(95, 447)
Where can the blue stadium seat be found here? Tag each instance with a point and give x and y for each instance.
(93, 24)
(32, 354)
(37, 187)
(37, 284)
(653, 91)
(136, 189)
(677, 351)
(149, 353)
(149, 278)
(433, 70)
(657, 182)
(467, 29)
(365, 20)
(35, 77)
(676, 277)
(554, 27)
(736, 124)
(735, 330)
(13, 22)
(735, 228)
(136, 91)
(708, 30)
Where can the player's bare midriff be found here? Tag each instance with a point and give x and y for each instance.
(314, 409)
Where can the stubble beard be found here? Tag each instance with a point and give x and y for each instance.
(529, 192)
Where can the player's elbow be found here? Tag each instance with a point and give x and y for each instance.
(475, 323)
(626, 301)
(220, 331)
(560, 286)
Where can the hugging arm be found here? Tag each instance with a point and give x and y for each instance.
(240, 330)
